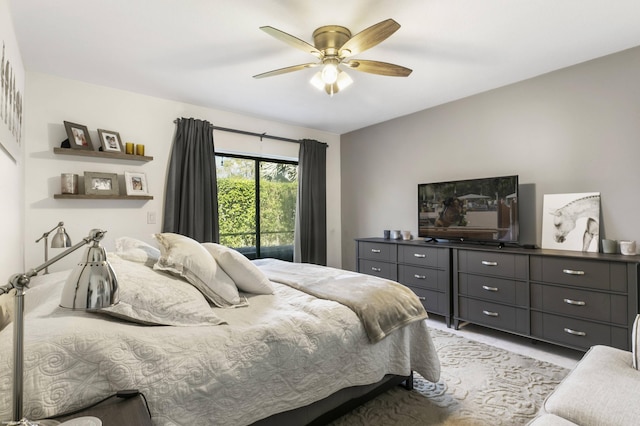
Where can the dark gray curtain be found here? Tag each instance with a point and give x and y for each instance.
(191, 197)
(311, 212)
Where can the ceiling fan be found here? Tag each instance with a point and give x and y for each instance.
(333, 46)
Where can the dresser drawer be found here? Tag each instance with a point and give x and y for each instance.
(577, 333)
(377, 251)
(432, 301)
(427, 278)
(491, 263)
(580, 303)
(498, 316)
(420, 256)
(493, 289)
(580, 273)
(378, 269)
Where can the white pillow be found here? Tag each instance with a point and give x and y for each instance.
(185, 257)
(156, 298)
(245, 274)
(137, 251)
(7, 306)
(635, 348)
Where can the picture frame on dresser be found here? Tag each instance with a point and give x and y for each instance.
(136, 183)
(110, 141)
(78, 135)
(96, 183)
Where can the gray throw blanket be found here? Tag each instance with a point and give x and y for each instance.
(382, 305)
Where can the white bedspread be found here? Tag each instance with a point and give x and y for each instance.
(280, 353)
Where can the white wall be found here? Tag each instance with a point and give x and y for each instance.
(573, 130)
(12, 211)
(140, 119)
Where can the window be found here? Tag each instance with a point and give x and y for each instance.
(257, 205)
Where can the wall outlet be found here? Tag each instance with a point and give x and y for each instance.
(151, 218)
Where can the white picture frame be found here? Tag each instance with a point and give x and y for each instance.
(571, 222)
(136, 183)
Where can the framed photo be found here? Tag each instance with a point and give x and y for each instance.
(110, 141)
(101, 183)
(78, 136)
(571, 221)
(136, 183)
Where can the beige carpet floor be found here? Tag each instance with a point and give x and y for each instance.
(479, 385)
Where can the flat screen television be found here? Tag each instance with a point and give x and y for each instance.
(481, 210)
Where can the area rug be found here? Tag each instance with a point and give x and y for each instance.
(479, 385)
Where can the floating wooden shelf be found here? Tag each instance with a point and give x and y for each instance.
(101, 197)
(101, 154)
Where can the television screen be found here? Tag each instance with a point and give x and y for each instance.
(470, 210)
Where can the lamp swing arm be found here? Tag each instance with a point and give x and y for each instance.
(46, 234)
(20, 281)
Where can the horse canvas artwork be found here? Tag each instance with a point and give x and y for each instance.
(571, 221)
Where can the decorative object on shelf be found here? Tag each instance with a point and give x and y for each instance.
(110, 141)
(396, 235)
(101, 183)
(60, 240)
(571, 221)
(91, 285)
(139, 149)
(406, 235)
(69, 183)
(78, 136)
(387, 234)
(627, 247)
(609, 246)
(136, 183)
(129, 148)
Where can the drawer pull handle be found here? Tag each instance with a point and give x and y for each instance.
(488, 263)
(572, 272)
(574, 332)
(421, 256)
(486, 287)
(375, 250)
(490, 314)
(422, 298)
(420, 277)
(575, 302)
(374, 269)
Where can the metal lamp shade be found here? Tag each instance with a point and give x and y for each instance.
(61, 239)
(92, 284)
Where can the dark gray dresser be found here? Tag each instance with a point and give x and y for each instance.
(568, 298)
(423, 268)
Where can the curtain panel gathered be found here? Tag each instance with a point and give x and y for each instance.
(310, 244)
(191, 196)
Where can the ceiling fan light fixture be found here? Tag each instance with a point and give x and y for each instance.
(330, 71)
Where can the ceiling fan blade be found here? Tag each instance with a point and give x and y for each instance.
(286, 70)
(377, 67)
(292, 41)
(369, 37)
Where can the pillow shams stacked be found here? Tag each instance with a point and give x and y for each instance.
(187, 258)
(137, 251)
(154, 298)
(246, 275)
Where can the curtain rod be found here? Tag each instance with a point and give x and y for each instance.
(260, 135)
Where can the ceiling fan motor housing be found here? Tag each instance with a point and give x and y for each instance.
(330, 38)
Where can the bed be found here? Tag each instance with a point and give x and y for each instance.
(279, 346)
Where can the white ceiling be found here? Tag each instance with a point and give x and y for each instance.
(205, 52)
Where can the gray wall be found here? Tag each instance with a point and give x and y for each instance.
(569, 131)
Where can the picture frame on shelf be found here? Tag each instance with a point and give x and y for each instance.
(78, 135)
(571, 221)
(110, 141)
(96, 183)
(136, 183)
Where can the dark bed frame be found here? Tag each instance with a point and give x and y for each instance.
(336, 405)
